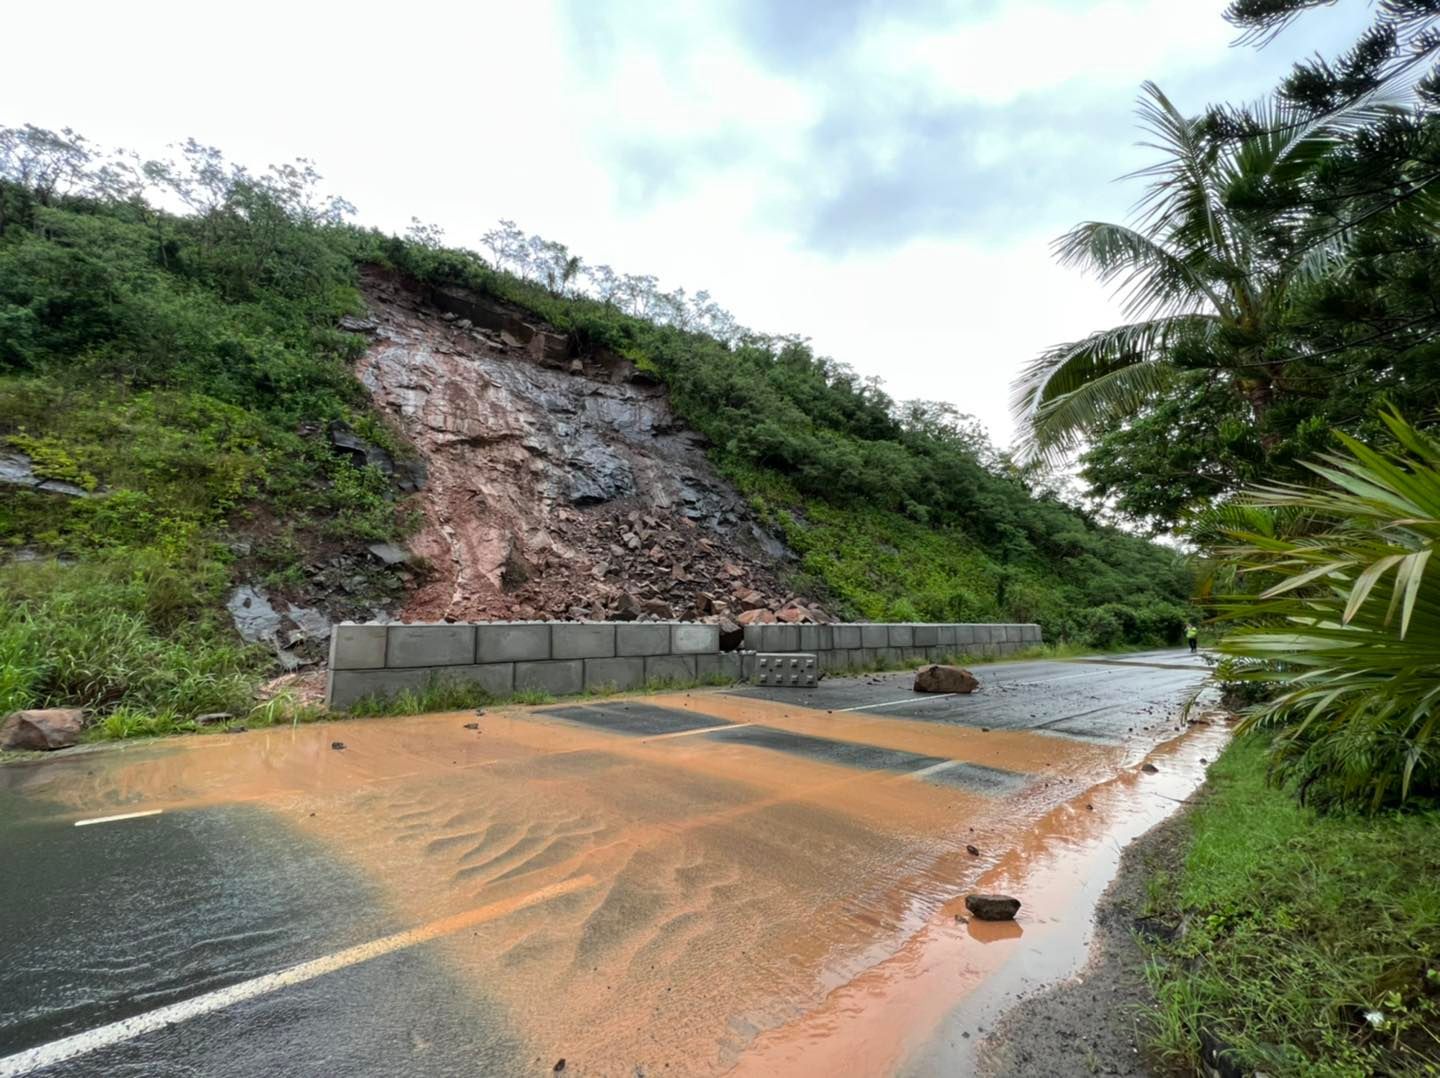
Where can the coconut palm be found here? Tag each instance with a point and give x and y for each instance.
(1344, 621)
(1206, 272)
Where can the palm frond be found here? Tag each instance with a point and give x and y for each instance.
(1070, 389)
(1152, 280)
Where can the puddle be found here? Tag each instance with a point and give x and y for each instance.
(911, 1012)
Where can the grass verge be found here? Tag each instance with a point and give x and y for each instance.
(1311, 944)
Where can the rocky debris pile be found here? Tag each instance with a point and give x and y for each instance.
(993, 907)
(559, 483)
(42, 729)
(938, 678)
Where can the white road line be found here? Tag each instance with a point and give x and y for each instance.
(941, 766)
(47, 1055)
(702, 730)
(122, 816)
(908, 700)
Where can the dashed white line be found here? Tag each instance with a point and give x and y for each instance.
(122, 816)
(47, 1055)
(908, 700)
(702, 730)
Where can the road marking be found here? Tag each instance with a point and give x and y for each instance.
(47, 1055)
(924, 771)
(702, 730)
(907, 700)
(122, 816)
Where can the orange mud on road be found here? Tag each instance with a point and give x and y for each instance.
(774, 887)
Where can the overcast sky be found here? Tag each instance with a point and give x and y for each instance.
(883, 177)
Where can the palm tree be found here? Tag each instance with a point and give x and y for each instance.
(1206, 272)
(1354, 671)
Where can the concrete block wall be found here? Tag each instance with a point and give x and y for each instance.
(508, 657)
(561, 658)
(853, 646)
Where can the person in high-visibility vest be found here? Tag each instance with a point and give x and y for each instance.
(1192, 634)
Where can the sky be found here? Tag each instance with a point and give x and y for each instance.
(884, 177)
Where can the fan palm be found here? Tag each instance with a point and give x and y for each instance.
(1357, 671)
(1206, 273)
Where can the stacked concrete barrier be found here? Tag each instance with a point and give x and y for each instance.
(564, 657)
(505, 657)
(860, 646)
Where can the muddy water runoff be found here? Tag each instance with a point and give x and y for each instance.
(741, 910)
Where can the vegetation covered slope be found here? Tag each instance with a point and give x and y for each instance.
(183, 366)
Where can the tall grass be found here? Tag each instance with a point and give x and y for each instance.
(124, 632)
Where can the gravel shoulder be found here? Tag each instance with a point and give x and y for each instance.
(1091, 1024)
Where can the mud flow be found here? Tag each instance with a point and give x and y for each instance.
(739, 884)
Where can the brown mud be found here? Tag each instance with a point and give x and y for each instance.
(750, 910)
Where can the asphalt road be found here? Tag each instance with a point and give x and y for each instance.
(674, 884)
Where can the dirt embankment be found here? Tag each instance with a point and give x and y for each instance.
(559, 484)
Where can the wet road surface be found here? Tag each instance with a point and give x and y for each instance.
(750, 880)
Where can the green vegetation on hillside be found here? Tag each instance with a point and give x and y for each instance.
(1311, 944)
(182, 369)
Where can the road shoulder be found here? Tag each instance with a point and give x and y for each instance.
(1092, 1024)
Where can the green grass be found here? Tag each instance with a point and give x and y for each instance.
(1312, 944)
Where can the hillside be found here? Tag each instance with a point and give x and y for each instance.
(255, 404)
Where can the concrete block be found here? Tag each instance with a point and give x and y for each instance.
(780, 638)
(809, 638)
(512, 641)
(935, 653)
(1032, 634)
(965, 636)
(357, 647)
(722, 663)
(791, 669)
(874, 636)
(670, 668)
(621, 673)
(582, 640)
(910, 654)
(692, 639)
(498, 679)
(642, 638)
(559, 678)
(846, 636)
(863, 657)
(889, 658)
(753, 638)
(1013, 634)
(902, 636)
(429, 645)
(948, 635)
(347, 686)
(927, 636)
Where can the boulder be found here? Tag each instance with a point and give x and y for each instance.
(937, 678)
(993, 907)
(794, 614)
(756, 617)
(45, 728)
(732, 634)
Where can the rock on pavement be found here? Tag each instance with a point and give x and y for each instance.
(936, 678)
(46, 728)
(993, 907)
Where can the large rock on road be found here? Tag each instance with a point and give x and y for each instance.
(936, 678)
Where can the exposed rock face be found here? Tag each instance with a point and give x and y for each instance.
(297, 633)
(16, 470)
(937, 678)
(557, 484)
(46, 728)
